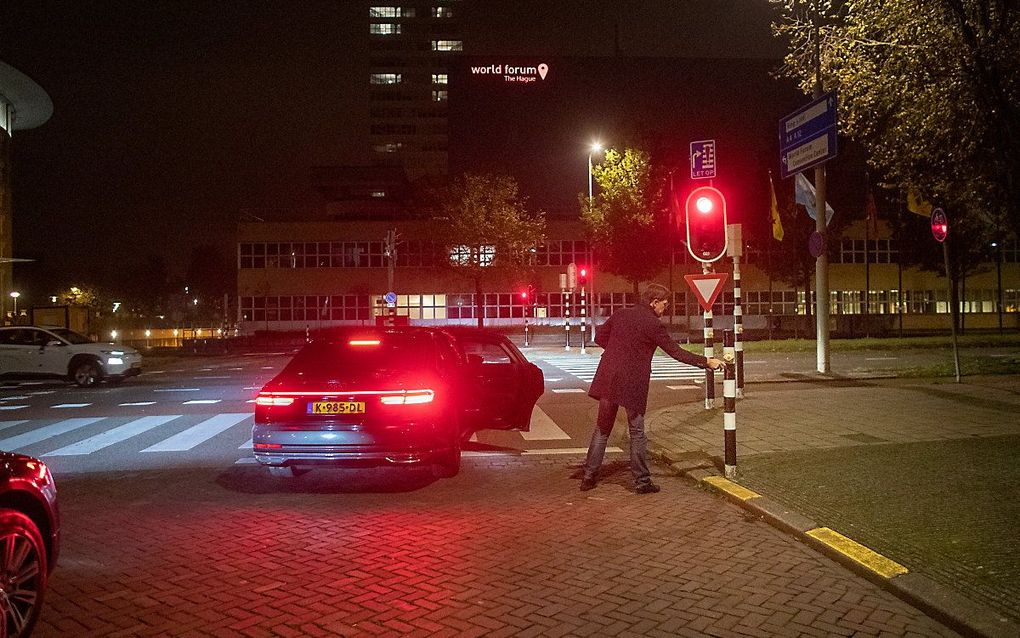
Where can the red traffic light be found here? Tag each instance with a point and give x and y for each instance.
(939, 225)
(524, 295)
(706, 224)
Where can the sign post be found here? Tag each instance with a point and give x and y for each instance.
(940, 230)
(707, 287)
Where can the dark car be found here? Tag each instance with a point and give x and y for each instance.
(399, 396)
(29, 540)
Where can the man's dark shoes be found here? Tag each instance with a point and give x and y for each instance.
(644, 488)
(587, 484)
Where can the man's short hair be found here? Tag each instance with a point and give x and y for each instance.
(654, 292)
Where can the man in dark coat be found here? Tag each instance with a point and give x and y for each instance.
(630, 338)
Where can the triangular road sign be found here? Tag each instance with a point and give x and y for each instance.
(706, 287)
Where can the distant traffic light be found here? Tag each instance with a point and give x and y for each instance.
(939, 225)
(582, 276)
(706, 224)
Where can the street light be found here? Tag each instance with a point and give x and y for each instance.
(15, 294)
(596, 147)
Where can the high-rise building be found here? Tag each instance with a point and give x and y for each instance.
(410, 45)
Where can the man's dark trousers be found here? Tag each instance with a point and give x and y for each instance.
(600, 438)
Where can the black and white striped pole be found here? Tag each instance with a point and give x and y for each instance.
(709, 352)
(734, 245)
(584, 312)
(729, 407)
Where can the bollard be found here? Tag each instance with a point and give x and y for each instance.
(738, 328)
(709, 352)
(729, 407)
(566, 319)
(584, 319)
(526, 340)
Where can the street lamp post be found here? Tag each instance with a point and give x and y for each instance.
(596, 147)
(14, 295)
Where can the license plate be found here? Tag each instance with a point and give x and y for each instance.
(336, 407)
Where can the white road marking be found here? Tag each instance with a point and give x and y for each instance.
(17, 398)
(543, 428)
(12, 407)
(562, 390)
(224, 377)
(880, 358)
(201, 402)
(564, 450)
(116, 435)
(198, 433)
(139, 403)
(71, 405)
(682, 387)
(554, 378)
(155, 372)
(246, 461)
(10, 424)
(177, 390)
(37, 393)
(246, 445)
(43, 433)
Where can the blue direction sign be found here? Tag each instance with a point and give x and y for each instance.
(807, 137)
(703, 159)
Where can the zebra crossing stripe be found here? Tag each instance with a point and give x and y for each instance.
(71, 405)
(43, 433)
(116, 435)
(202, 402)
(247, 445)
(199, 433)
(543, 428)
(10, 424)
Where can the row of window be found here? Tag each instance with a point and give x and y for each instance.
(397, 78)
(370, 254)
(558, 305)
(406, 12)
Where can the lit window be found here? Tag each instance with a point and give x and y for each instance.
(440, 96)
(389, 147)
(378, 194)
(466, 255)
(385, 78)
(440, 78)
(447, 45)
(442, 12)
(384, 12)
(377, 28)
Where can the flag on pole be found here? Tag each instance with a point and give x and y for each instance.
(777, 223)
(805, 195)
(916, 204)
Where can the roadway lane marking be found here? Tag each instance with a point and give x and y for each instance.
(223, 377)
(682, 387)
(43, 433)
(250, 401)
(116, 435)
(880, 358)
(37, 393)
(177, 390)
(10, 424)
(155, 372)
(201, 402)
(247, 445)
(564, 450)
(543, 428)
(562, 390)
(554, 379)
(198, 433)
(71, 405)
(12, 407)
(17, 398)
(138, 403)
(246, 461)
(268, 367)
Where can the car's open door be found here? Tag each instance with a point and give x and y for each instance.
(505, 385)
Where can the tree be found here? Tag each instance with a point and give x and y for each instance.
(930, 87)
(626, 221)
(486, 231)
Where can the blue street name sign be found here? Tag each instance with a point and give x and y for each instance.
(703, 159)
(807, 137)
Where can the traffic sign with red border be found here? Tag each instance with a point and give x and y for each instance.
(707, 287)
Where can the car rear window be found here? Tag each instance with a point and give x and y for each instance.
(361, 356)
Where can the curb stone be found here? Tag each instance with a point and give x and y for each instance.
(941, 603)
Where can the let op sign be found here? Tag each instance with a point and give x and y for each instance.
(807, 137)
(703, 159)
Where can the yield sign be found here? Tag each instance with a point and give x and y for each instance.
(706, 287)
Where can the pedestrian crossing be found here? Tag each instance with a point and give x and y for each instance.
(583, 367)
(176, 433)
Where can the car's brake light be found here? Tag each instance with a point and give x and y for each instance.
(268, 446)
(408, 397)
(363, 342)
(264, 399)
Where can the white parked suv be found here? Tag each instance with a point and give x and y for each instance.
(31, 351)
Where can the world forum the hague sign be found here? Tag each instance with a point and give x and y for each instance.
(807, 137)
(517, 73)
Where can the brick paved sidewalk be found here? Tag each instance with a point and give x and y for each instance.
(783, 429)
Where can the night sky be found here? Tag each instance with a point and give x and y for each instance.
(172, 118)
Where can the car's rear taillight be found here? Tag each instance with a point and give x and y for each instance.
(409, 397)
(270, 400)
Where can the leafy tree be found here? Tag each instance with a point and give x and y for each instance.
(930, 87)
(626, 221)
(486, 231)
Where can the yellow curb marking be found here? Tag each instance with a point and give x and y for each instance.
(857, 552)
(730, 487)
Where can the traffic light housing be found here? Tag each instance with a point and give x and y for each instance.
(582, 276)
(939, 225)
(706, 224)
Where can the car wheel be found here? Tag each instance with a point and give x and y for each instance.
(448, 465)
(286, 471)
(22, 573)
(86, 374)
